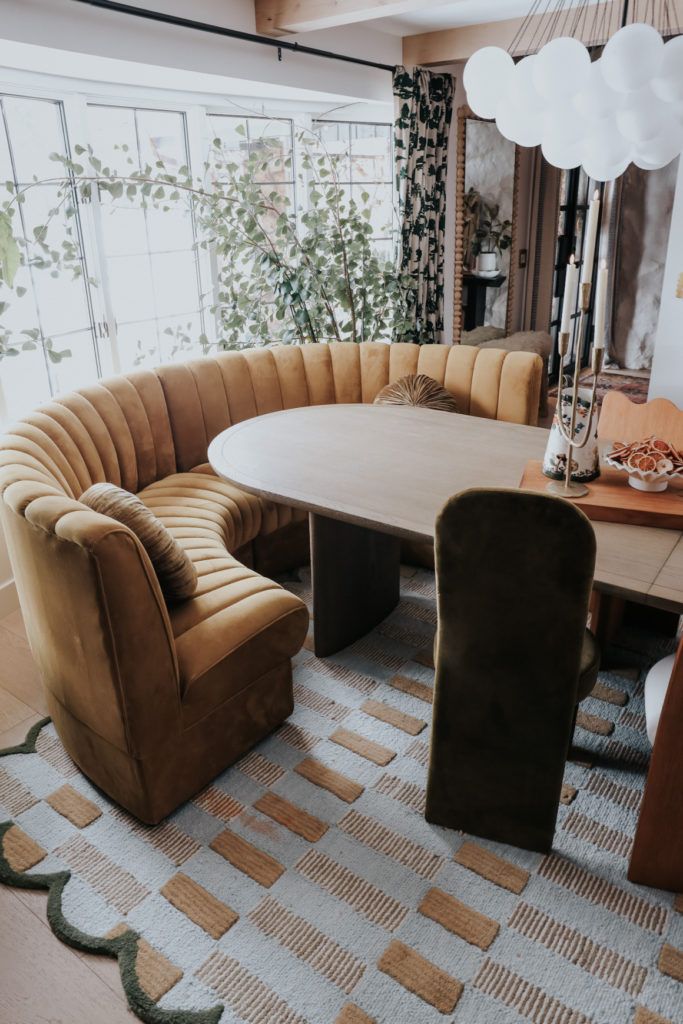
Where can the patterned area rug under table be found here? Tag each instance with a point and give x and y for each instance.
(304, 884)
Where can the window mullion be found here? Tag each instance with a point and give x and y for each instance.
(75, 127)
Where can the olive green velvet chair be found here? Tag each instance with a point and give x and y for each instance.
(513, 659)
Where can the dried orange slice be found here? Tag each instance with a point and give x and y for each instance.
(647, 464)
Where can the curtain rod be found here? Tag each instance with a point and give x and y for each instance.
(218, 30)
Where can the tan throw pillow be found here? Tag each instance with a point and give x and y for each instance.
(417, 389)
(176, 573)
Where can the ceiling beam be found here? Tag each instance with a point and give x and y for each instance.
(458, 44)
(280, 17)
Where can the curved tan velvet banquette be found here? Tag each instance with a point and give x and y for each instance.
(152, 701)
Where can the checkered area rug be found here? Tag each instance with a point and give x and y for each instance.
(304, 884)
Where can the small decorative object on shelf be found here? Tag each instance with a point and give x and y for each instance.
(572, 456)
(585, 465)
(651, 464)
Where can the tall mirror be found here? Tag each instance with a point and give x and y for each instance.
(486, 213)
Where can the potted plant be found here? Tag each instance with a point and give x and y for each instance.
(491, 235)
(288, 275)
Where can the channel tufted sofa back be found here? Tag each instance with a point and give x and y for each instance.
(152, 700)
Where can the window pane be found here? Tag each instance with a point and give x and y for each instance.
(35, 131)
(78, 369)
(336, 143)
(51, 310)
(371, 152)
(24, 383)
(232, 132)
(130, 281)
(137, 346)
(150, 266)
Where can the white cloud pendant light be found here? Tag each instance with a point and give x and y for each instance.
(625, 107)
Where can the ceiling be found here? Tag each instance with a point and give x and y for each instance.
(432, 17)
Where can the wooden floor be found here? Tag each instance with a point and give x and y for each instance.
(42, 981)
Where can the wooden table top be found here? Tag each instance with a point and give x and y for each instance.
(391, 468)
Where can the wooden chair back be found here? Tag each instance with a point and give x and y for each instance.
(514, 573)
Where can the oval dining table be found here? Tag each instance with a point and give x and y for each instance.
(369, 475)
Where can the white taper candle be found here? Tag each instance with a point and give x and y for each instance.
(600, 306)
(591, 235)
(571, 283)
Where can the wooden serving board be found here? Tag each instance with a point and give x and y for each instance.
(611, 499)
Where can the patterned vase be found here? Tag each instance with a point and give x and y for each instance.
(586, 460)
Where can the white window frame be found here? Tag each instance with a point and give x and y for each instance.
(75, 95)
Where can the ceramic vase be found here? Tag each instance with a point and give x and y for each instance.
(487, 263)
(586, 460)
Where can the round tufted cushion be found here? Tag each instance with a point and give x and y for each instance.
(417, 389)
(176, 573)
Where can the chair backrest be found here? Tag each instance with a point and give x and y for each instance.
(514, 573)
(624, 420)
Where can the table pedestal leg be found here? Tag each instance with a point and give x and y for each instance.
(355, 573)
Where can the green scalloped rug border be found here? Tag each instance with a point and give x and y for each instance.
(124, 947)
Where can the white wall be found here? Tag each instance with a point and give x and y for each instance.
(667, 364)
(77, 27)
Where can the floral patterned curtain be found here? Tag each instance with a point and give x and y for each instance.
(424, 103)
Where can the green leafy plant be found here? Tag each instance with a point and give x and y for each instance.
(484, 230)
(281, 274)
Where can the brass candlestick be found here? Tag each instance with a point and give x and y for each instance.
(568, 488)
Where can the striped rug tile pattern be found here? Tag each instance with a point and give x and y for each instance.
(260, 769)
(52, 751)
(308, 943)
(592, 831)
(615, 792)
(342, 674)
(365, 898)
(579, 949)
(404, 635)
(633, 720)
(602, 893)
(14, 795)
(298, 737)
(245, 993)
(304, 886)
(530, 1001)
(419, 751)
(321, 705)
(409, 793)
(218, 804)
(170, 840)
(116, 885)
(392, 844)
